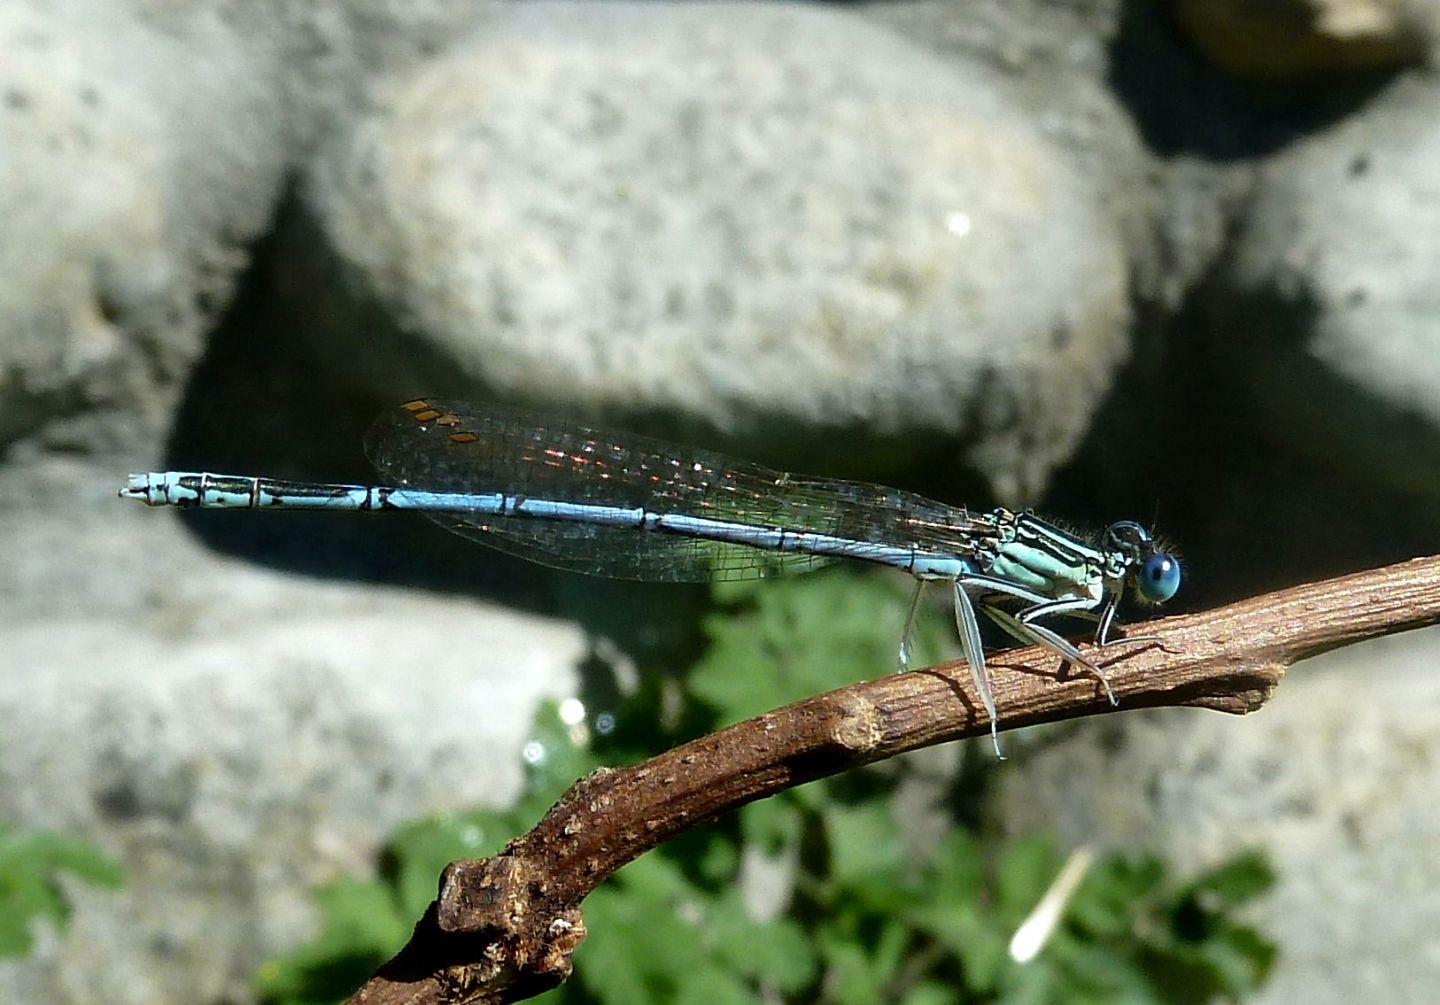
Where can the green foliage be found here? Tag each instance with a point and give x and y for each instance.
(866, 918)
(31, 863)
(364, 921)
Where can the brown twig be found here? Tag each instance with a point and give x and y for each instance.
(504, 928)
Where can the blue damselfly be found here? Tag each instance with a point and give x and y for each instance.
(633, 507)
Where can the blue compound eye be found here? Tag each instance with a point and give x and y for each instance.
(1158, 578)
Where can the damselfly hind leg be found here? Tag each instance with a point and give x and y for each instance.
(974, 650)
(907, 637)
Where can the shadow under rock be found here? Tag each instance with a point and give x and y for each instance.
(260, 402)
(1184, 104)
(238, 419)
(1181, 435)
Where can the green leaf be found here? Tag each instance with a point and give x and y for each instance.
(850, 978)
(715, 857)
(1025, 871)
(1032, 984)
(947, 905)
(59, 853)
(773, 824)
(737, 592)
(31, 864)
(421, 850)
(713, 987)
(1108, 900)
(1098, 972)
(889, 956)
(646, 941)
(865, 845)
(1235, 882)
(930, 993)
(361, 927)
(1239, 960)
(556, 754)
(977, 942)
(1260, 951)
(797, 638)
(777, 951)
(956, 870)
(361, 912)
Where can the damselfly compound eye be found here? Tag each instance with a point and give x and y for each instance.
(1158, 578)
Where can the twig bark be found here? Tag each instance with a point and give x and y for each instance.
(504, 928)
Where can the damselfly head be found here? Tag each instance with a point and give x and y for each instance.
(1154, 573)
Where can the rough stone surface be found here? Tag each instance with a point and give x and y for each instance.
(1336, 778)
(233, 735)
(144, 147)
(805, 220)
(1054, 62)
(136, 161)
(1329, 307)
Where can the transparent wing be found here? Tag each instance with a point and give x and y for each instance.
(443, 445)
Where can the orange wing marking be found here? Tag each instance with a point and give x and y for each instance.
(421, 411)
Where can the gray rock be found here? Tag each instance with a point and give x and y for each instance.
(1053, 60)
(1329, 310)
(232, 734)
(736, 214)
(1335, 778)
(136, 163)
(144, 148)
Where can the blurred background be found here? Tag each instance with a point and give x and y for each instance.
(1177, 262)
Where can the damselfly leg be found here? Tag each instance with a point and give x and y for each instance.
(907, 636)
(974, 651)
(1023, 628)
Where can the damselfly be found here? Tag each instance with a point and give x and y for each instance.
(632, 507)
